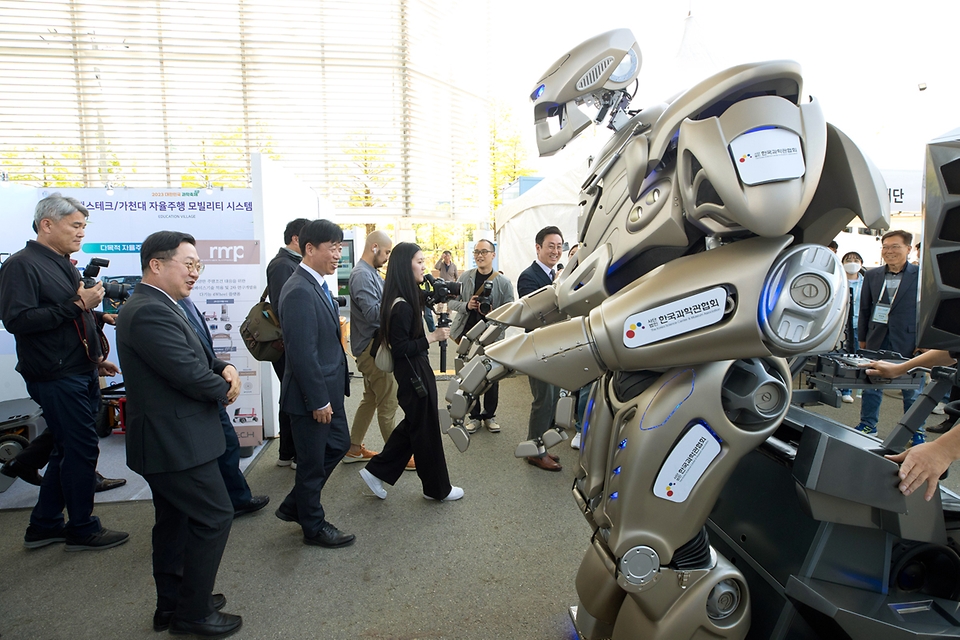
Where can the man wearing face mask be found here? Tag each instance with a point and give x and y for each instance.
(888, 319)
(853, 266)
(541, 273)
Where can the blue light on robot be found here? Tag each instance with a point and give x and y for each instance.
(623, 444)
(769, 296)
(539, 92)
(764, 128)
(614, 495)
(586, 423)
(616, 471)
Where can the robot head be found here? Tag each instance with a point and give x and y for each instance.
(753, 168)
(596, 71)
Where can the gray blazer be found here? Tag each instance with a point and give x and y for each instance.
(174, 389)
(501, 294)
(316, 368)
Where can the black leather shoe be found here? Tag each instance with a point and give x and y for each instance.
(256, 503)
(161, 619)
(942, 427)
(286, 516)
(105, 484)
(14, 469)
(215, 625)
(331, 537)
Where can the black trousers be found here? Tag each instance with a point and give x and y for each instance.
(193, 519)
(229, 464)
(320, 447)
(490, 399)
(288, 449)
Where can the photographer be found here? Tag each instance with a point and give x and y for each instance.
(418, 434)
(489, 291)
(47, 308)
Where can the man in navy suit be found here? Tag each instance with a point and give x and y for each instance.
(314, 381)
(243, 500)
(542, 272)
(888, 318)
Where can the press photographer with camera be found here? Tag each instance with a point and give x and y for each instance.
(50, 312)
(418, 434)
(481, 291)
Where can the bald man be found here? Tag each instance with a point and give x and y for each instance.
(379, 388)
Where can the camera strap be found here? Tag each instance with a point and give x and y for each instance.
(479, 285)
(85, 336)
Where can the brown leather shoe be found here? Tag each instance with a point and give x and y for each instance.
(546, 463)
(942, 427)
(553, 457)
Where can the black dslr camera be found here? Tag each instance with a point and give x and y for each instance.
(483, 299)
(440, 291)
(112, 290)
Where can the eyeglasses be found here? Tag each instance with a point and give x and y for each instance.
(192, 266)
(892, 247)
(482, 252)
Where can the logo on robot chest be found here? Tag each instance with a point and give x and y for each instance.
(674, 318)
(686, 464)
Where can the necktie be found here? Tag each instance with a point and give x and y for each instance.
(326, 290)
(553, 275)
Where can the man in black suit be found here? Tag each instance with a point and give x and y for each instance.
(241, 497)
(549, 247)
(888, 318)
(174, 436)
(314, 382)
(278, 271)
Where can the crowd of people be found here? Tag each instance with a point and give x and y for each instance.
(180, 438)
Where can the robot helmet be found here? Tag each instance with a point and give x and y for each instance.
(754, 168)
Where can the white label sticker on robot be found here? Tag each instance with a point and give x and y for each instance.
(686, 464)
(767, 155)
(674, 318)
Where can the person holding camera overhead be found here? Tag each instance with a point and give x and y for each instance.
(418, 434)
(481, 291)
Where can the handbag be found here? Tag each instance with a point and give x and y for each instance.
(261, 332)
(384, 359)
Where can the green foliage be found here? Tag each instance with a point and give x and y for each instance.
(508, 154)
(367, 175)
(224, 160)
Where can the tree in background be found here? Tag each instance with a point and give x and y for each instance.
(367, 175)
(224, 161)
(60, 169)
(508, 153)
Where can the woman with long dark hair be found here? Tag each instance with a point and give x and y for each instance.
(401, 327)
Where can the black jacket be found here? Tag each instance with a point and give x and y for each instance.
(38, 290)
(278, 271)
(901, 326)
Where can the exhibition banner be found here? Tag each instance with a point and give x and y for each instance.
(222, 222)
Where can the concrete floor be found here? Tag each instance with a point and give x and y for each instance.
(500, 563)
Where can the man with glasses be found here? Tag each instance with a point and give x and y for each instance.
(51, 314)
(470, 311)
(175, 390)
(888, 319)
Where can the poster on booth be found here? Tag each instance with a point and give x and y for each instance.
(223, 224)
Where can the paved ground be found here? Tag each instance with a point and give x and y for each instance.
(500, 563)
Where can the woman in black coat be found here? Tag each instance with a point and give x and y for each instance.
(401, 322)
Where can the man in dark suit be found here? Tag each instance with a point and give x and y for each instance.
(174, 436)
(278, 271)
(314, 382)
(549, 247)
(888, 318)
(241, 497)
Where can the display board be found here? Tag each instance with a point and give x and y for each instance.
(222, 221)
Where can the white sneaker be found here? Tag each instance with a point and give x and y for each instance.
(472, 426)
(491, 425)
(939, 408)
(847, 398)
(455, 494)
(286, 463)
(575, 441)
(293, 465)
(374, 483)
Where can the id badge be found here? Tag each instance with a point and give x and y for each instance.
(881, 313)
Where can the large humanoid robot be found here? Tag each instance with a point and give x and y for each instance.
(701, 267)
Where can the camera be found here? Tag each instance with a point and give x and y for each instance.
(484, 298)
(440, 290)
(112, 290)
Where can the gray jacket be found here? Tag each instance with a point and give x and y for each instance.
(501, 294)
(366, 292)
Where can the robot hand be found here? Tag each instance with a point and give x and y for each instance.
(463, 391)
